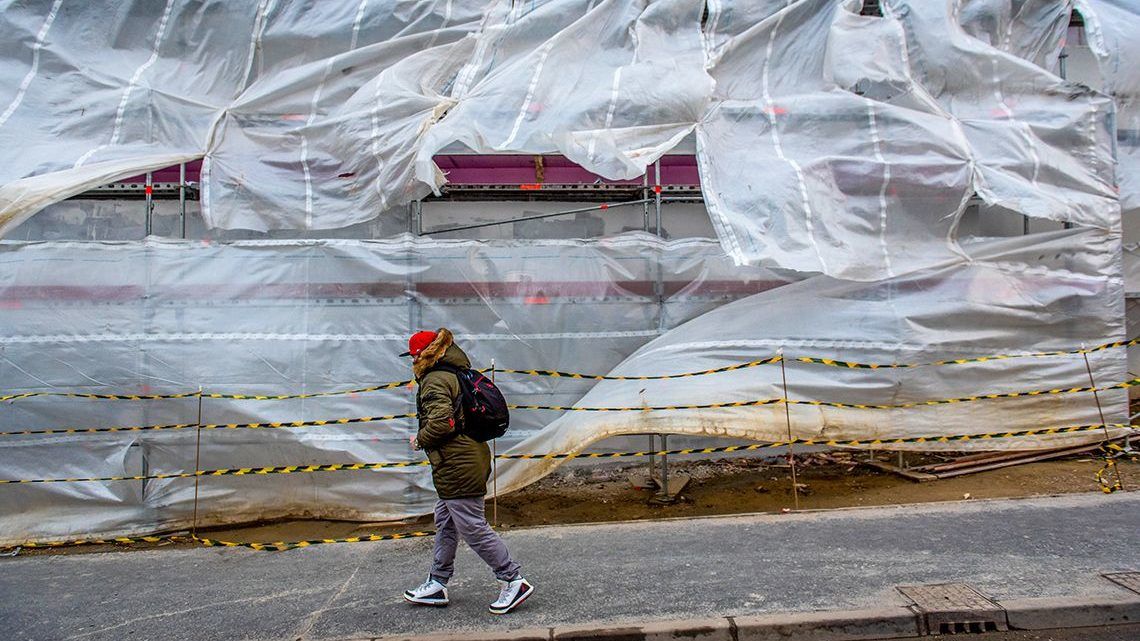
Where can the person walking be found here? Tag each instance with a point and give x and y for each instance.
(460, 467)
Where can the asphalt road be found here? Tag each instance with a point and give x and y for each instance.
(677, 569)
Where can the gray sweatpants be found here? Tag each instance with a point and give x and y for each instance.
(456, 518)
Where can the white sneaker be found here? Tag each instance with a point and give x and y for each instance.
(511, 596)
(432, 592)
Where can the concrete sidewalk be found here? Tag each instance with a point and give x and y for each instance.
(600, 575)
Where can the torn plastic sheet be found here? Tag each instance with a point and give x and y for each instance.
(872, 130)
(327, 139)
(1042, 145)
(252, 87)
(845, 176)
(611, 85)
(279, 317)
(829, 141)
(93, 92)
(1031, 29)
(1111, 27)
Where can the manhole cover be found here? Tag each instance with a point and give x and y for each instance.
(955, 608)
(1129, 580)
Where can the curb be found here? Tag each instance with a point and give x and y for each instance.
(895, 622)
(1076, 612)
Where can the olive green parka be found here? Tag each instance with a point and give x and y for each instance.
(460, 465)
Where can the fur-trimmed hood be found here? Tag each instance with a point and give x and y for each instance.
(441, 350)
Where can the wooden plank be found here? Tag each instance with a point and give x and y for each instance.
(940, 469)
(993, 466)
(920, 477)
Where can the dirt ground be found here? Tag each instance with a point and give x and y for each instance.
(721, 486)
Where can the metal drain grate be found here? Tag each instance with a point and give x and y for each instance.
(1127, 580)
(955, 608)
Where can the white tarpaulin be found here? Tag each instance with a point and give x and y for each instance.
(1002, 295)
(1112, 26)
(828, 141)
(611, 85)
(270, 318)
(276, 317)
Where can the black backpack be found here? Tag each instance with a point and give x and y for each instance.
(485, 410)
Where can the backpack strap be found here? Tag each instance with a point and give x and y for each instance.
(458, 402)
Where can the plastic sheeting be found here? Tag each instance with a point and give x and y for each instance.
(1111, 27)
(829, 141)
(324, 137)
(279, 317)
(1031, 29)
(93, 92)
(1005, 295)
(841, 146)
(872, 130)
(800, 170)
(611, 85)
(98, 91)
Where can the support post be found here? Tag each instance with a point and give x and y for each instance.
(182, 199)
(665, 466)
(1103, 424)
(645, 204)
(788, 419)
(652, 458)
(657, 195)
(494, 467)
(197, 466)
(149, 189)
(415, 314)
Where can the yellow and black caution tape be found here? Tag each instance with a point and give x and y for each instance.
(567, 408)
(195, 394)
(601, 377)
(213, 426)
(969, 399)
(106, 397)
(821, 361)
(235, 471)
(1108, 477)
(877, 442)
(648, 408)
(94, 430)
(336, 467)
(1102, 478)
(283, 397)
(831, 362)
(275, 546)
(124, 540)
(561, 374)
(864, 406)
(1117, 451)
(279, 546)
